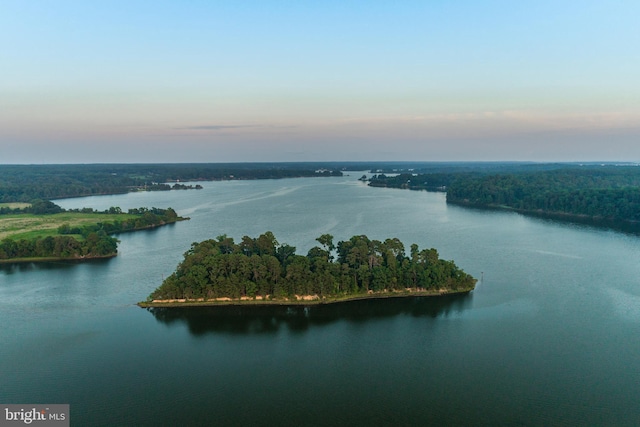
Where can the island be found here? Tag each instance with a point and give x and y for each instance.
(262, 271)
(43, 231)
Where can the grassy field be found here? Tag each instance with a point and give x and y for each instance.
(29, 226)
(15, 205)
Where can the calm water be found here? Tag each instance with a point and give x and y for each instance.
(550, 336)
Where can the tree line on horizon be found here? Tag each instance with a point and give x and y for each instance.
(24, 183)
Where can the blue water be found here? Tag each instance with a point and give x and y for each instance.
(549, 336)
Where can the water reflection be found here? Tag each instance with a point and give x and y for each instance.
(269, 319)
(149, 230)
(586, 222)
(23, 267)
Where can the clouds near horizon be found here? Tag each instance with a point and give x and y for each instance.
(226, 81)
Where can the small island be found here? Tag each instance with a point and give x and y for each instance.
(261, 271)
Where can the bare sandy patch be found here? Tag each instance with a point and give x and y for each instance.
(306, 297)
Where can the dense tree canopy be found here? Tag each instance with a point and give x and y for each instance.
(93, 244)
(599, 192)
(594, 191)
(261, 267)
(429, 182)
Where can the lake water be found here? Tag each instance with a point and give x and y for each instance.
(549, 336)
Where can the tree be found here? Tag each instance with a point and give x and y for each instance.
(284, 253)
(220, 268)
(326, 240)
(266, 244)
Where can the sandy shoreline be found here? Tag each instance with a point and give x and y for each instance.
(301, 299)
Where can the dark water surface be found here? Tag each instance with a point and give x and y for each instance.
(549, 337)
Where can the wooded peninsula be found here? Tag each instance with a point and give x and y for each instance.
(606, 193)
(43, 231)
(262, 271)
(598, 192)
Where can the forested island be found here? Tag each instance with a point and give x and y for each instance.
(601, 193)
(43, 231)
(262, 271)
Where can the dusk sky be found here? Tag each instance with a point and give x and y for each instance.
(227, 81)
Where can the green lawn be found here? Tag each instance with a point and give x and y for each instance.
(15, 205)
(29, 226)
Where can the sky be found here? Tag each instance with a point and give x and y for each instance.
(251, 81)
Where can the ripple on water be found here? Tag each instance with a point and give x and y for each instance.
(625, 305)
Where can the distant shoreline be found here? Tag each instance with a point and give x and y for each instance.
(592, 220)
(54, 259)
(306, 300)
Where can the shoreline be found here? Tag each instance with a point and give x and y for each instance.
(89, 257)
(307, 300)
(55, 259)
(592, 220)
(152, 226)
